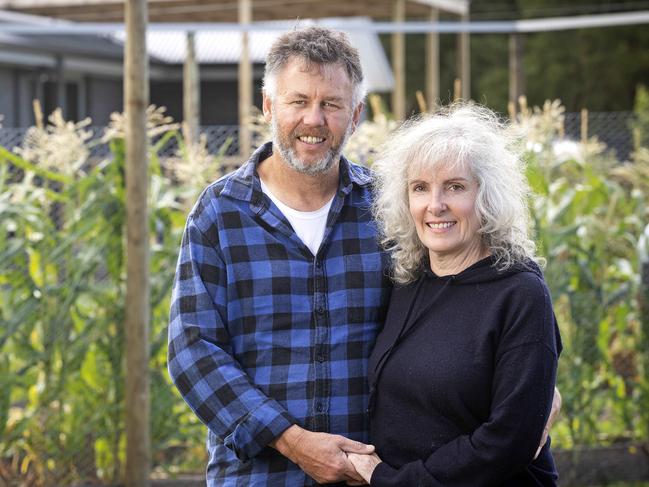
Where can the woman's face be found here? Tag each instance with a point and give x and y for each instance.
(442, 205)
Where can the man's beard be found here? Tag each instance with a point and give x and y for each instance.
(289, 155)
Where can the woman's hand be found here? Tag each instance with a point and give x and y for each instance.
(364, 464)
(554, 414)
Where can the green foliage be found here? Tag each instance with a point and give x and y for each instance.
(62, 293)
(589, 216)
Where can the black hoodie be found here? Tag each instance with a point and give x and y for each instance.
(462, 378)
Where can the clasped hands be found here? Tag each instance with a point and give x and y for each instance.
(328, 458)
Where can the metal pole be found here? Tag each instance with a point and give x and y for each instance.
(136, 100)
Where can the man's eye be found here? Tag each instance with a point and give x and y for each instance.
(455, 187)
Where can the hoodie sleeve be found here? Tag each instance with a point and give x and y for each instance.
(522, 392)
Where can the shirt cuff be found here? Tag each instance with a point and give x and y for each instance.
(257, 429)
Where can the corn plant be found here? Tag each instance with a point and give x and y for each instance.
(62, 285)
(587, 222)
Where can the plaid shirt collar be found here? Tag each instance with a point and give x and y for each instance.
(245, 185)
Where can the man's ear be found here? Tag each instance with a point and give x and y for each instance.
(266, 107)
(356, 115)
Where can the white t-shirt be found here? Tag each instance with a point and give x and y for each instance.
(308, 225)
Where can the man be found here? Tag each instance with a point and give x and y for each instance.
(281, 286)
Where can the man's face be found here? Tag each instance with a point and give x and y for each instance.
(311, 115)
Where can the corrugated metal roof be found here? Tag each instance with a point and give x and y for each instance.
(224, 47)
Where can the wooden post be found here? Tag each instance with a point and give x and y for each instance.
(465, 60)
(421, 101)
(516, 77)
(457, 89)
(136, 100)
(584, 125)
(245, 81)
(191, 93)
(399, 63)
(432, 63)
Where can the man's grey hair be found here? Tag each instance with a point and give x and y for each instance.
(468, 136)
(315, 46)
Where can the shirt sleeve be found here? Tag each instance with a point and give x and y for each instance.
(200, 359)
(522, 392)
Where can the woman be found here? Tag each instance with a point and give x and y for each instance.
(463, 373)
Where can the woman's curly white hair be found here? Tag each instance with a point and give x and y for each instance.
(463, 135)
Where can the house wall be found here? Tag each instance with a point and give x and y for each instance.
(103, 96)
(219, 100)
(97, 96)
(7, 97)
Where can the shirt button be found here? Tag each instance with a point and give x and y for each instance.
(318, 407)
(318, 264)
(320, 310)
(320, 357)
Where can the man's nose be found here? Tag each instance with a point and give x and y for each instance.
(314, 116)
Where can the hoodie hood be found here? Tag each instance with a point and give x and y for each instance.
(485, 270)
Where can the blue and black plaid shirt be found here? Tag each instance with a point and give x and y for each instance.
(263, 334)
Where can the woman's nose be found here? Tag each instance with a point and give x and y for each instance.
(436, 203)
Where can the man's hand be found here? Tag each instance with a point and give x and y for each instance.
(365, 464)
(321, 455)
(554, 414)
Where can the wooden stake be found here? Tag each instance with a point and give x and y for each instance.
(399, 63)
(516, 74)
(191, 93)
(432, 62)
(421, 101)
(136, 100)
(464, 40)
(38, 113)
(245, 81)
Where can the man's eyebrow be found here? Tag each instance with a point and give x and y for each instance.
(295, 94)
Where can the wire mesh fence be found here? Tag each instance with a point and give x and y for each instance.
(611, 128)
(62, 286)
